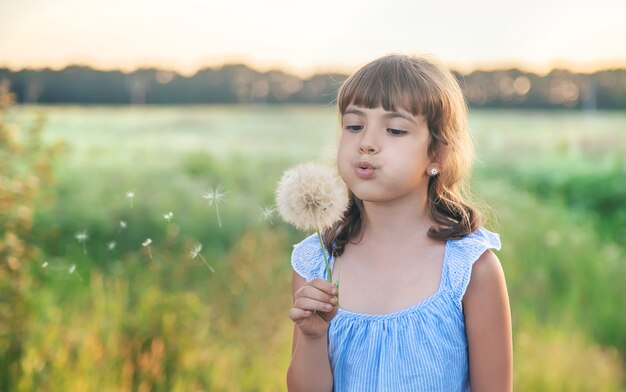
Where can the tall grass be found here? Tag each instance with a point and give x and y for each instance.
(169, 323)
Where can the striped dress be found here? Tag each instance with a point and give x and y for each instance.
(419, 348)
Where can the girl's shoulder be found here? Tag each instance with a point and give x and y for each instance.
(462, 253)
(307, 258)
(478, 241)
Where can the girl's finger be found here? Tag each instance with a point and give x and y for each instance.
(312, 292)
(313, 304)
(324, 286)
(297, 314)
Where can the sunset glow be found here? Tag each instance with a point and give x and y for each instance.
(307, 37)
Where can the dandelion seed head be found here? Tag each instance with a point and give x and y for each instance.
(130, 195)
(45, 264)
(147, 242)
(168, 217)
(111, 245)
(82, 236)
(72, 269)
(311, 197)
(196, 251)
(215, 195)
(268, 213)
(122, 224)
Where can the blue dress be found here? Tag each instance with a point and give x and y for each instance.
(419, 348)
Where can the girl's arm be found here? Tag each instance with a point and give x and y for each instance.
(309, 369)
(488, 327)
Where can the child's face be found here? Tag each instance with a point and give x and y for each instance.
(382, 155)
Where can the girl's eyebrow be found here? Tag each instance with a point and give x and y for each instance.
(400, 115)
(386, 115)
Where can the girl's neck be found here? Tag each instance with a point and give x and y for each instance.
(392, 222)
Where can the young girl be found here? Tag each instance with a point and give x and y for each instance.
(424, 305)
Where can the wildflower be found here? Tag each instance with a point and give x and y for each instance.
(82, 237)
(72, 271)
(130, 196)
(146, 244)
(196, 252)
(169, 216)
(268, 213)
(310, 197)
(215, 196)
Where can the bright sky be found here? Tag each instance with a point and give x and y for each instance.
(305, 36)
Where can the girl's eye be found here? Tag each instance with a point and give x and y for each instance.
(354, 128)
(396, 132)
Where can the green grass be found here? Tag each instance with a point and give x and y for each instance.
(554, 180)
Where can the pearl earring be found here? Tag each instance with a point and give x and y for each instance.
(433, 171)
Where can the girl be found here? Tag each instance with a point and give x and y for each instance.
(424, 305)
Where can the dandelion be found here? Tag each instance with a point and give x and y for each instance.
(146, 244)
(196, 252)
(130, 196)
(169, 216)
(122, 226)
(45, 264)
(215, 196)
(268, 213)
(72, 271)
(111, 245)
(311, 197)
(82, 238)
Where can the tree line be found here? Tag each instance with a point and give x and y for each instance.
(238, 83)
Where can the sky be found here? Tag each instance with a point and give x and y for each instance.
(313, 36)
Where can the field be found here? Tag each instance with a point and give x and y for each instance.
(98, 316)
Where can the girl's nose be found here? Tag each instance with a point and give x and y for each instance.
(368, 143)
(367, 149)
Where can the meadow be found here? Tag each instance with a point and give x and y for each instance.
(129, 317)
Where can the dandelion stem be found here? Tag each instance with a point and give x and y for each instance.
(207, 264)
(330, 274)
(84, 249)
(149, 252)
(219, 220)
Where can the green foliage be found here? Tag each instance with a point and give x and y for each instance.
(126, 321)
(25, 168)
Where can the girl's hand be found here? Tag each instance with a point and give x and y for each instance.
(315, 305)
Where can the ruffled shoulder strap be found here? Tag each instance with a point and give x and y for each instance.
(307, 258)
(463, 253)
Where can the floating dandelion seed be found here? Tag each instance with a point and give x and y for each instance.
(146, 244)
(82, 237)
(310, 197)
(122, 226)
(196, 252)
(169, 216)
(215, 196)
(130, 196)
(72, 271)
(268, 214)
(111, 245)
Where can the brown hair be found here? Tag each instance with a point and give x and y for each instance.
(421, 86)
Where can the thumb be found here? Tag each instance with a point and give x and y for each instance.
(328, 316)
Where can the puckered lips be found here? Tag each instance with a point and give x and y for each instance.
(365, 169)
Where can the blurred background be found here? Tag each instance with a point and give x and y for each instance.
(141, 143)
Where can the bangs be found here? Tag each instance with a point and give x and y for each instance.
(392, 82)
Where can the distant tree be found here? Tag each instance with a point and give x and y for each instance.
(238, 83)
